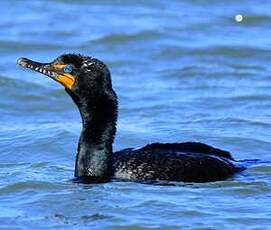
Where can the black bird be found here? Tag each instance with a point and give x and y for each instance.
(88, 81)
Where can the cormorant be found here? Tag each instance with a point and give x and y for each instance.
(88, 81)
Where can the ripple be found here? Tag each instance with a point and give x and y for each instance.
(125, 38)
(5, 46)
(225, 51)
(29, 186)
(261, 169)
(257, 19)
(234, 120)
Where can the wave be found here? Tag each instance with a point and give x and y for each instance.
(15, 46)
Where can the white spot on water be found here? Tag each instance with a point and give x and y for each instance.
(239, 17)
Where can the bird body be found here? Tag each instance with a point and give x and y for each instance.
(188, 161)
(88, 81)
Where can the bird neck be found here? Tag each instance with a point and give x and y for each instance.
(94, 153)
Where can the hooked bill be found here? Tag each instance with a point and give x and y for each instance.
(35, 66)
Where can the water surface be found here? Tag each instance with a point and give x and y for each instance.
(183, 71)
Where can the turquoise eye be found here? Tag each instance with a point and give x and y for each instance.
(68, 69)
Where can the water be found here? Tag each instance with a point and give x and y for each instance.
(183, 71)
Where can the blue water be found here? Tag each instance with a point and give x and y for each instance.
(183, 71)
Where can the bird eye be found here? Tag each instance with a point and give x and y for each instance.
(68, 69)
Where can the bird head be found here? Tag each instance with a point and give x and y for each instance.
(85, 79)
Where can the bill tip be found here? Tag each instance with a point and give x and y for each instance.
(21, 61)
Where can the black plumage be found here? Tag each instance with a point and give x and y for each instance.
(92, 92)
(189, 162)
